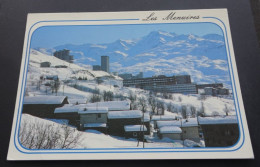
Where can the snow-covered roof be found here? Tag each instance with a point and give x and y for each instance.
(91, 110)
(163, 117)
(218, 120)
(95, 125)
(170, 129)
(185, 123)
(135, 128)
(125, 114)
(79, 101)
(66, 109)
(146, 117)
(43, 99)
(112, 105)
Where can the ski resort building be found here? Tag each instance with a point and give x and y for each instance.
(135, 131)
(96, 68)
(189, 127)
(43, 106)
(93, 118)
(45, 64)
(117, 120)
(105, 63)
(68, 112)
(174, 84)
(219, 131)
(216, 91)
(172, 132)
(156, 118)
(213, 85)
(64, 55)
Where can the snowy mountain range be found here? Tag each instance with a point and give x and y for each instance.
(160, 53)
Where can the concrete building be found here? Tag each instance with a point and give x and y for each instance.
(214, 85)
(96, 68)
(174, 84)
(126, 76)
(105, 63)
(216, 91)
(64, 55)
(183, 79)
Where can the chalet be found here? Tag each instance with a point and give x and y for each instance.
(189, 127)
(156, 118)
(219, 131)
(93, 118)
(45, 64)
(117, 120)
(68, 112)
(112, 105)
(172, 132)
(43, 106)
(135, 131)
(146, 122)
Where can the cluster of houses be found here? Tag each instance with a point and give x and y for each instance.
(116, 118)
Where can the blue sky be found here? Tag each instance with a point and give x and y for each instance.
(51, 36)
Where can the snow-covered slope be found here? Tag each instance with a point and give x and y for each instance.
(72, 71)
(88, 139)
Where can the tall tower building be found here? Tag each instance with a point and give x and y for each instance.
(105, 63)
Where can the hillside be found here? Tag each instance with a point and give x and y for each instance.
(202, 57)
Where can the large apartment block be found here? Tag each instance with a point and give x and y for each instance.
(64, 55)
(105, 63)
(173, 84)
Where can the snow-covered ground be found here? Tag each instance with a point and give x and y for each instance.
(84, 90)
(96, 139)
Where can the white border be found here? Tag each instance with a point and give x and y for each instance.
(242, 149)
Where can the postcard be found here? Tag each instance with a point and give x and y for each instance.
(129, 85)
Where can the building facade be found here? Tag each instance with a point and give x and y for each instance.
(64, 55)
(105, 63)
(45, 64)
(96, 68)
(214, 85)
(43, 106)
(219, 131)
(174, 84)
